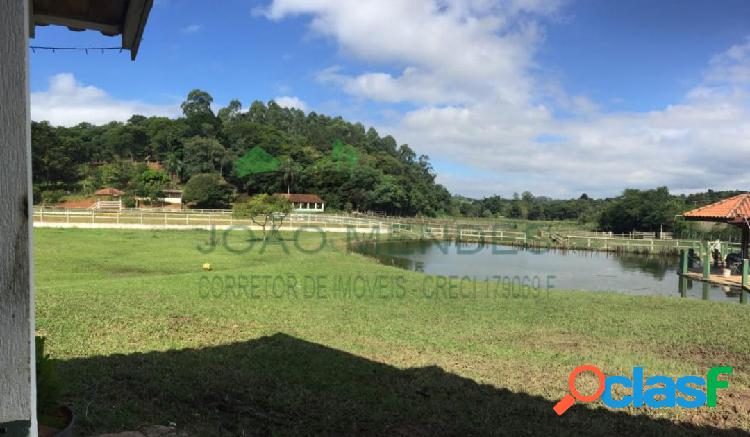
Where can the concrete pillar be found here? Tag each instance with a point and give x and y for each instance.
(17, 374)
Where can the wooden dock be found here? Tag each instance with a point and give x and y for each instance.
(717, 279)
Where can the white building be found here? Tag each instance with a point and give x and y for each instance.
(172, 197)
(305, 202)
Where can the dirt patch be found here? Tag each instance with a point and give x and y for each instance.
(704, 356)
(73, 204)
(732, 411)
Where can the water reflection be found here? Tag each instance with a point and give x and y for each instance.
(579, 270)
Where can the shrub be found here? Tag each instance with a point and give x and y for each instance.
(264, 209)
(207, 190)
(52, 196)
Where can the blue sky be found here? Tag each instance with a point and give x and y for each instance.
(554, 97)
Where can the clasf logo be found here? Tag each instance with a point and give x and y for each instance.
(685, 391)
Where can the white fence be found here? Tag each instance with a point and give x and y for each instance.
(107, 204)
(186, 218)
(172, 219)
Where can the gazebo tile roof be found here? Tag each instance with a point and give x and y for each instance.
(109, 192)
(304, 198)
(723, 210)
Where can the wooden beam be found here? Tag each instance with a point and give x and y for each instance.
(32, 26)
(135, 22)
(132, 20)
(105, 28)
(17, 375)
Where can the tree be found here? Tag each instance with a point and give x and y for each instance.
(289, 170)
(263, 209)
(198, 113)
(118, 174)
(151, 184)
(203, 155)
(174, 165)
(198, 102)
(389, 196)
(207, 190)
(348, 164)
(641, 210)
(51, 158)
(231, 112)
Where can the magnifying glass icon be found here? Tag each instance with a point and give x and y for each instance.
(569, 399)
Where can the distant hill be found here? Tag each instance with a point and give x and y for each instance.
(348, 165)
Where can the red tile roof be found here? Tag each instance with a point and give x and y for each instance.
(304, 198)
(723, 210)
(109, 192)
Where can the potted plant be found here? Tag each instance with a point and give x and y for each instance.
(54, 419)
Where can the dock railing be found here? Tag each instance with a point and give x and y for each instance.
(610, 241)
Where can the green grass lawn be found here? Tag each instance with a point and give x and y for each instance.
(141, 338)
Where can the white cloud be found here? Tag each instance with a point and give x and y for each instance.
(452, 51)
(192, 28)
(468, 66)
(732, 66)
(290, 102)
(67, 102)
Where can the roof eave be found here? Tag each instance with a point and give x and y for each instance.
(707, 219)
(131, 26)
(135, 23)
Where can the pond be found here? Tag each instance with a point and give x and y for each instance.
(575, 270)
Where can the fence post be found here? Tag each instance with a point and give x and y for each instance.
(707, 262)
(683, 261)
(743, 291)
(682, 287)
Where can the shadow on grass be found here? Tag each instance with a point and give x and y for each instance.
(282, 385)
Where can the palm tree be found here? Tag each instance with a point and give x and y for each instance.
(173, 164)
(289, 169)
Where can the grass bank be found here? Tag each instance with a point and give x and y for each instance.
(143, 335)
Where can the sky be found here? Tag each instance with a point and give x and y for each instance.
(556, 97)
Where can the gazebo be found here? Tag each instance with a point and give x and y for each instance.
(734, 211)
(305, 202)
(109, 193)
